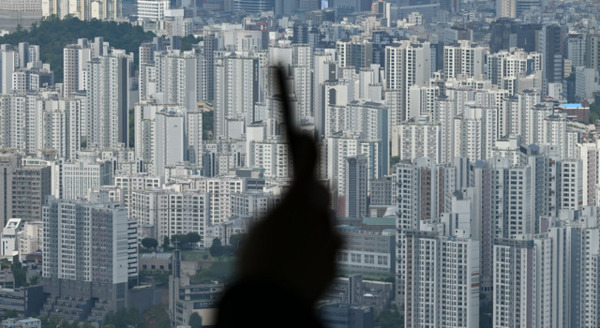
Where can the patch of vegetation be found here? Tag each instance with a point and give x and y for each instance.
(155, 317)
(159, 276)
(389, 318)
(131, 128)
(196, 255)
(53, 34)
(149, 243)
(7, 314)
(207, 124)
(220, 271)
(185, 241)
(188, 42)
(195, 320)
(19, 273)
(594, 113)
(219, 250)
(124, 318)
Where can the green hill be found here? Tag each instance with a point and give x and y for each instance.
(53, 34)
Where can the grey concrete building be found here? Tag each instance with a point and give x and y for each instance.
(23, 189)
(367, 252)
(90, 256)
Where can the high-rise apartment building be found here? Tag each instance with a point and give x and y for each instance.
(31, 185)
(162, 213)
(176, 78)
(356, 184)
(221, 190)
(23, 188)
(442, 275)
(108, 98)
(90, 254)
(503, 65)
(169, 146)
(417, 137)
(339, 147)
(83, 9)
(420, 191)
(552, 48)
(80, 177)
(153, 10)
(516, 8)
(236, 92)
(576, 47)
(522, 282)
(465, 59)
(252, 6)
(592, 49)
(406, 63)
(9, 62)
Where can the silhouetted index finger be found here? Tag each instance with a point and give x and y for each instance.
(292, 135)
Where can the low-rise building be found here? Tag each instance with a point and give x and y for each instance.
(22, 323)
(24, 301)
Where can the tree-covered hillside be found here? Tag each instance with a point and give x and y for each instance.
(53, 34)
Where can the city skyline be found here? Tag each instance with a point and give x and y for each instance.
(458, 141)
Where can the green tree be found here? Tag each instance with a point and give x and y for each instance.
(87, 324)
(180, 241)
(207, 124)
(52, 34)
(133, 317)
(19, 273)
(390, 318)
(123, 318)
(131, 129)
(219, 271)
(34, 280)
(193, 237)
(51, 322)
(149, 243)
(188, 41)
(594, 113)
(216, 249)
(156, 316)
(195, 320)
(9, 314)
(166, 242)
(5, 264)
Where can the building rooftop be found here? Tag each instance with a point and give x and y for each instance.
(571, 105)
(385, 221)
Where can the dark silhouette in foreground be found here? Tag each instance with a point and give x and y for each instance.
(287, 261)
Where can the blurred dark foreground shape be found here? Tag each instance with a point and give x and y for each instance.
(288, 259)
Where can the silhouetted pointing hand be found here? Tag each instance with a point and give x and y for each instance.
(288, 259)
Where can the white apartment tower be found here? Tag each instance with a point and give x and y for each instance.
(153, 10)
(464, 59)
(169, 143)
(522, 282)
(236, 92)
(108, 99)
(442, 278)
(164, 213)
(416, 138)
(406, 63)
